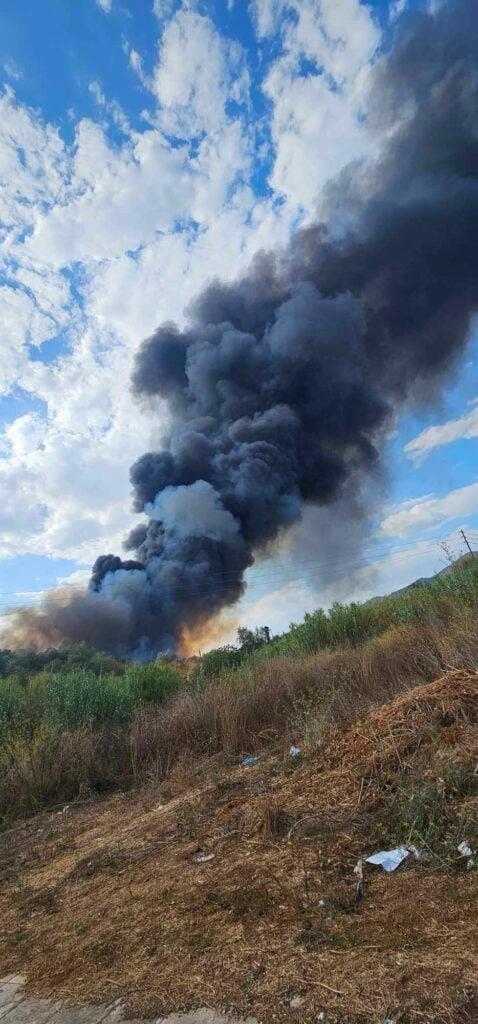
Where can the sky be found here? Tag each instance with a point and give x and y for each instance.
(146, 147)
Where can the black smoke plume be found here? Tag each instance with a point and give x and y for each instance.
(285, 384)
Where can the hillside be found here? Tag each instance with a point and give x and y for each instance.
(427, 581)
(108, 899)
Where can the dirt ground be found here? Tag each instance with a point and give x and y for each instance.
(114, 897)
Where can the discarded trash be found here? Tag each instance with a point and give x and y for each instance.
(464, 849)
(416, 853)
(389, 859)
(295, 751)
(250, 760)
(200, 857)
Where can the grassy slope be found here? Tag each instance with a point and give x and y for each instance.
(106, 899)
(64, 735)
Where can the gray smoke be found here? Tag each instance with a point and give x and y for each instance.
(284, 386)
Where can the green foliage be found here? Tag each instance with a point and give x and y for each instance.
(69, 700)
(432, 603)
(152, 683)
(12, 701)
(349, 625)
(219, 661)
(251, 639)
(23, 664)
(425, 812)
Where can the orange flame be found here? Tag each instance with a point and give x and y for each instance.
(202, 637)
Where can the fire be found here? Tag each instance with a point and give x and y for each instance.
(206, 635)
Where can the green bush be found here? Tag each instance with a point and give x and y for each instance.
(71, 699)
(153, 682)
(12, 704)
(349, 625)
(24, 664)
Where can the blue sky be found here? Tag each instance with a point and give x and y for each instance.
(145, 147)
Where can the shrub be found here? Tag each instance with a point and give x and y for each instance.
(152, 683)
(56, 767)
(12, 704)
(71, 699)
(24, 664)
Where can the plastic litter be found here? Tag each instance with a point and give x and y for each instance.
(295, 751)
(248, 761)
(464, 849)
(389, 860)
(200, 857)
(416, 852)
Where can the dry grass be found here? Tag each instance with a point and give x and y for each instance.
(107, 900)
(273, 702)
(58, 767)
(281, 698)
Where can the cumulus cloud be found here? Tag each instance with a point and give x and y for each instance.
(137, 225)
(317, 89)
(198, 72)
(465, 427)
(431, 511)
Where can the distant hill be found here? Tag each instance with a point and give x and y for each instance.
(424, 580)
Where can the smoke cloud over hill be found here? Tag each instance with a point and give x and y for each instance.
(283, 386)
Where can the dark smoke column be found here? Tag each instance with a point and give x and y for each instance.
(285, 384)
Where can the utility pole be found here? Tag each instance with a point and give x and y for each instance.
(465, 538)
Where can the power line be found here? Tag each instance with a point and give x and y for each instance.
(368, 559)
(275, 572)
(274, 576)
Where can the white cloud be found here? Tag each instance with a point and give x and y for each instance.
(163, 8)
(32, 166)
(431, 511)
(105, 5)
(104, 238)
(396, 9)
(136, 63)
(316, 124)
(117, 202)
(12, 70)
(465, 427)
(198, 71)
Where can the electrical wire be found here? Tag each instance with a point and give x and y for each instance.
(274, 576)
